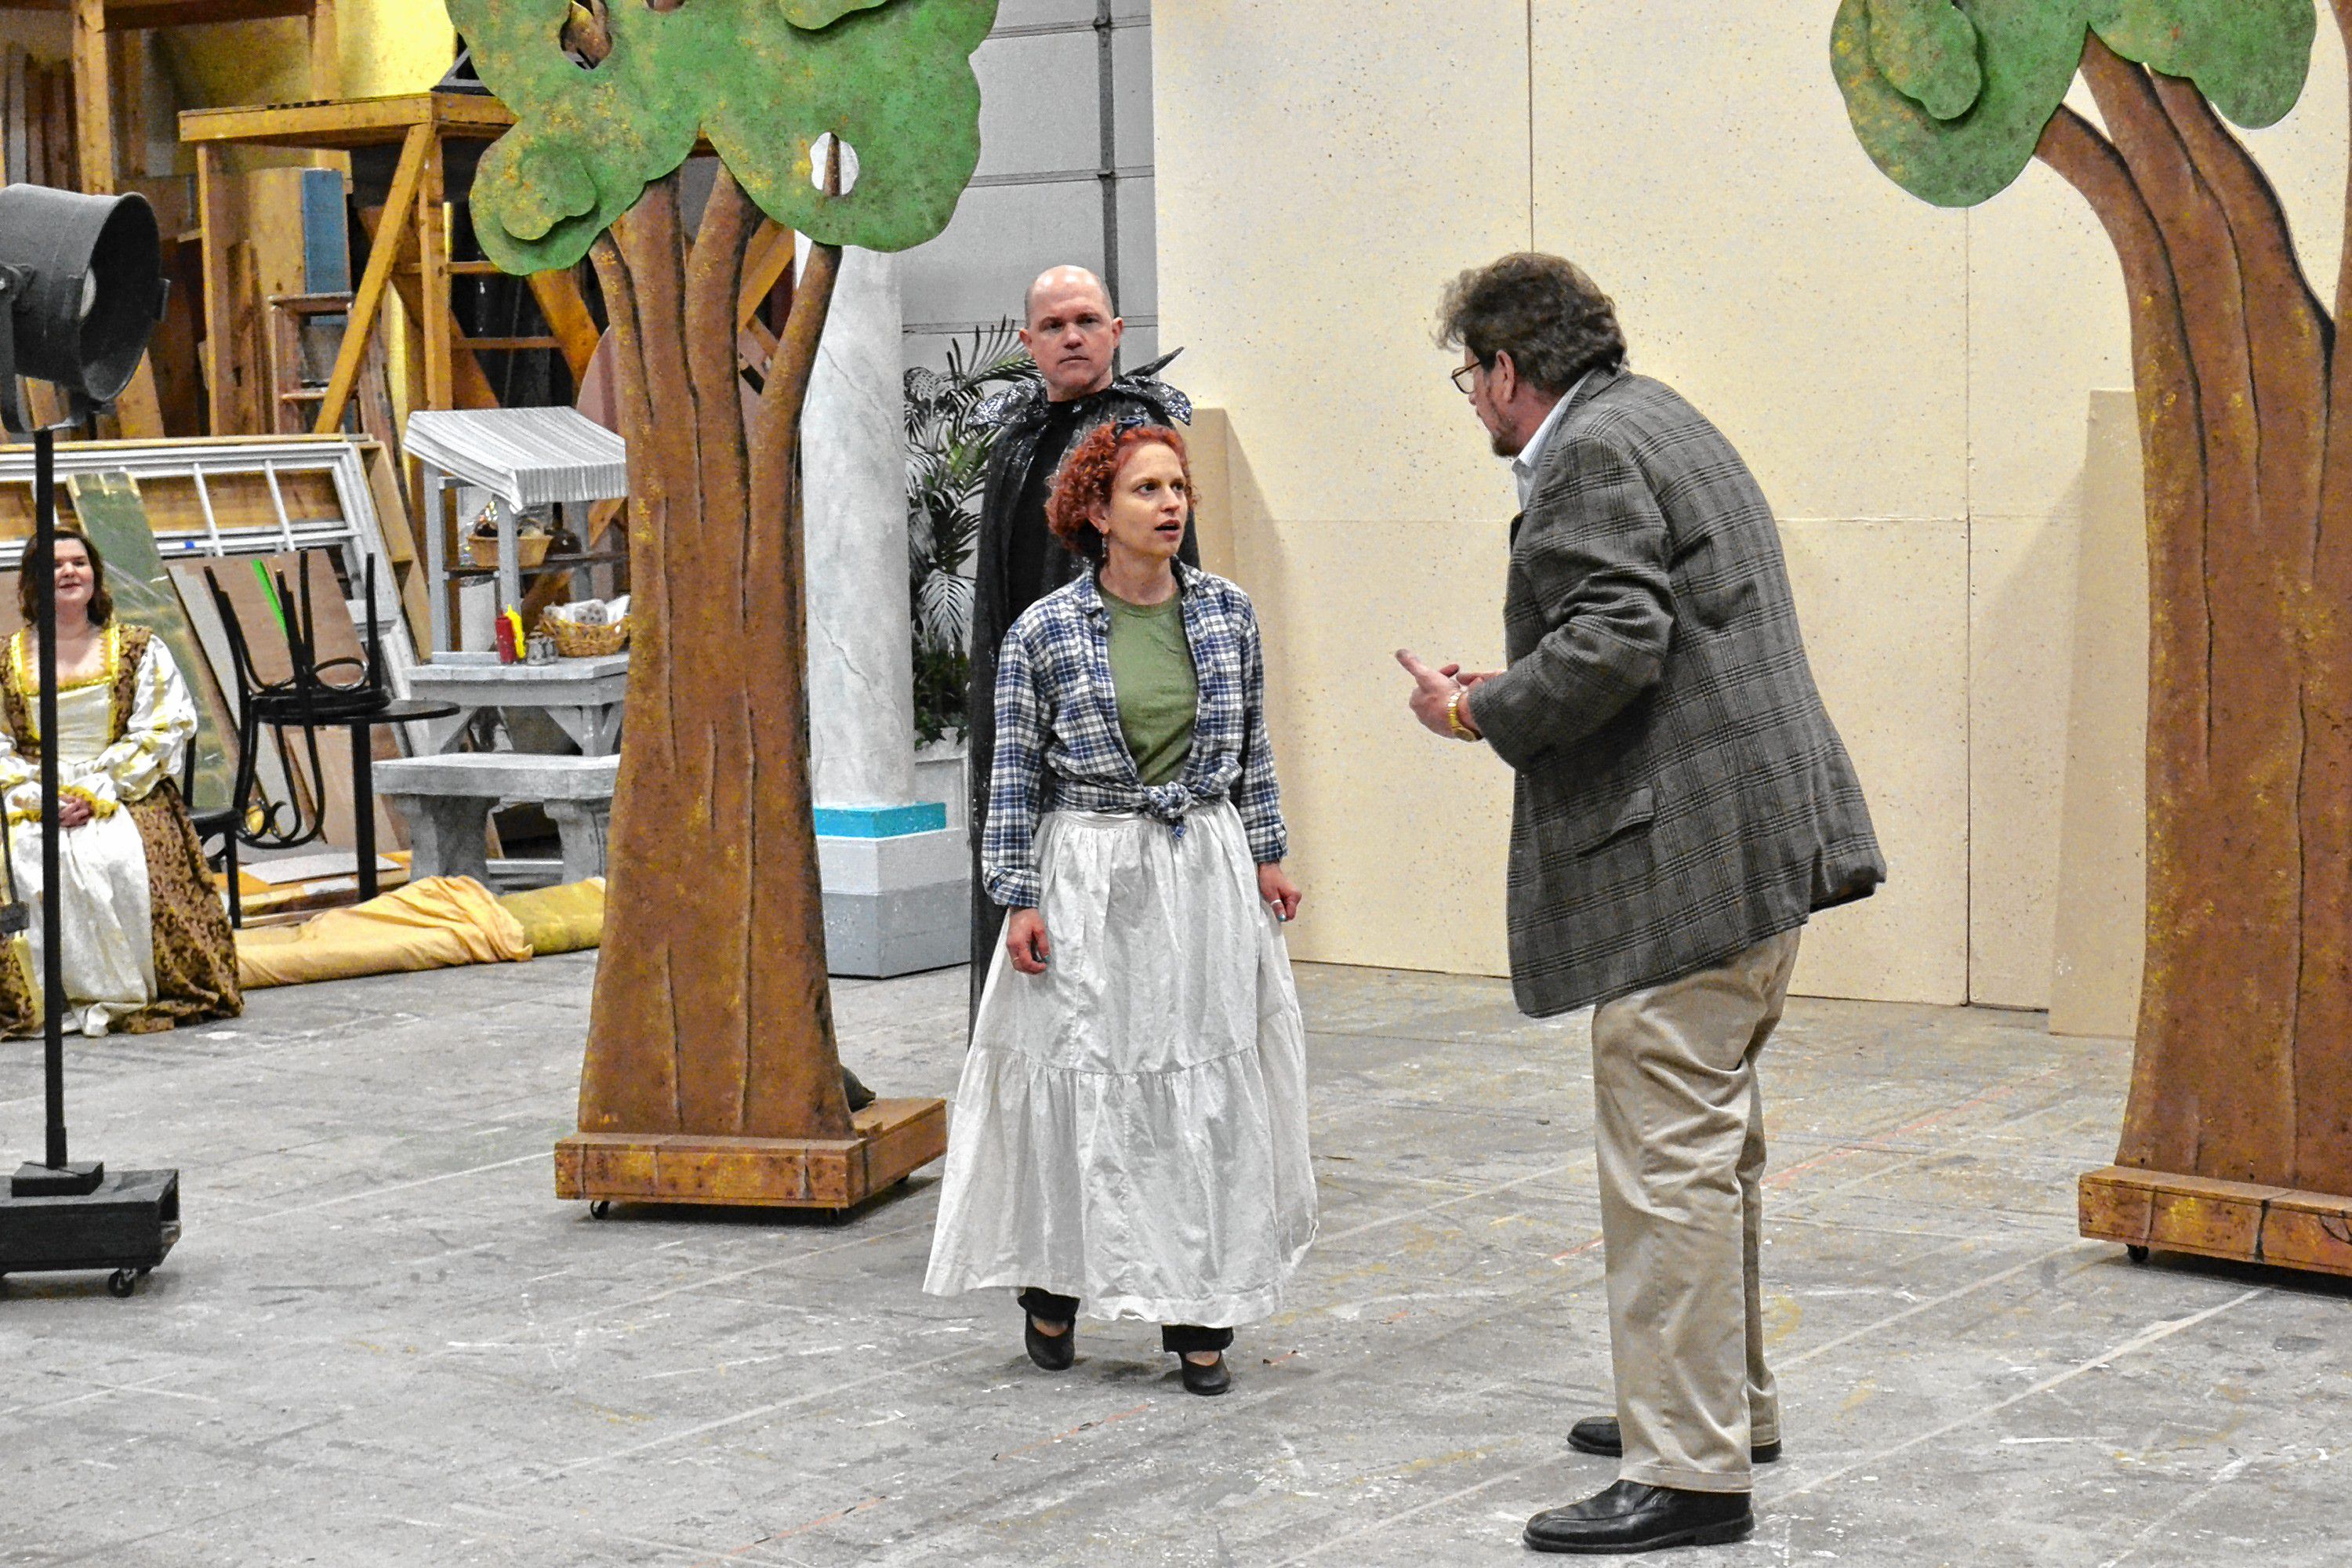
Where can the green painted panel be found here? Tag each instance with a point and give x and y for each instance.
(890, 78)
(1926, 50)
(1900, 64)
(2249, 56)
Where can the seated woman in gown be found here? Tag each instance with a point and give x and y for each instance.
(146, 943)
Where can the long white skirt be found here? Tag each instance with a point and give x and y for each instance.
(106, 913)
(1131, 1125)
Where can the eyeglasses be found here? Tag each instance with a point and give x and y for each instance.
(1461, 372)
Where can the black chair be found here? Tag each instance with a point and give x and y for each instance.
(304, 702)
(307, 700)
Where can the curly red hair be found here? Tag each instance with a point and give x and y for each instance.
(1090, 472)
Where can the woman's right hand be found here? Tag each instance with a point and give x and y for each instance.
(1025, 939)
(73, 812)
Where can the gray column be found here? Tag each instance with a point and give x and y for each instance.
(896, 883)
(852, 445)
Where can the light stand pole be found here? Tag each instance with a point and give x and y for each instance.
(58, 1174)
(80, 289)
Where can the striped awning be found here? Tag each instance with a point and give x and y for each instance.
(525, 457)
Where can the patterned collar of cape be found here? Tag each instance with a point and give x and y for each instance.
(1016, 404)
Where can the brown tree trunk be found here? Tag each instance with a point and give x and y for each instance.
(2323, 1075)
(711, 1012)
(2245, 989)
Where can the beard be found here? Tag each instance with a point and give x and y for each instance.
(1505, 444)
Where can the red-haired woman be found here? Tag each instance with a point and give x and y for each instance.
(1130, 1133)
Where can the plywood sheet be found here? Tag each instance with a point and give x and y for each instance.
(2099, 936)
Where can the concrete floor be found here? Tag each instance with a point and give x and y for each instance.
(382, 1342)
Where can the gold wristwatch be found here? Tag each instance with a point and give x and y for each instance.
(1454, 716)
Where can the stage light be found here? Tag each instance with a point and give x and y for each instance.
(81, 286)
(84, 276)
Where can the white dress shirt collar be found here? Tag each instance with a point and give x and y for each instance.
(1530, 456)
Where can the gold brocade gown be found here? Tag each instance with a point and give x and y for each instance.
(146, 944)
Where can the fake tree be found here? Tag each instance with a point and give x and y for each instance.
(2244, 1065)
(711, 1011)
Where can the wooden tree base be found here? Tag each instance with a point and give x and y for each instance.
(895, 1138)
(2155, 1209)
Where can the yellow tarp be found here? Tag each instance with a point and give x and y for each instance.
(562, 918)
(437, 923)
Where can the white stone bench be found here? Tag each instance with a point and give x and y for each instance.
(448, 800)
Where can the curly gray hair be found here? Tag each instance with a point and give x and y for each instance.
(1552, 319)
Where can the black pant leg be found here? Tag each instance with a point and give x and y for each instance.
(1177, 1338)
(987, 931)
(1048, 1307)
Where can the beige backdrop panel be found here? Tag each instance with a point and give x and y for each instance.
(1321, 170)
(1909, 385)
(1760, 263)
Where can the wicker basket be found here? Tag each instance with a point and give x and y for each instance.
(586, 642)
(530, 549)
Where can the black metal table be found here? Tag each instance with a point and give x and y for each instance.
(402, 710)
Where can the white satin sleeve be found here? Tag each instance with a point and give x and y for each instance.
(162, 722)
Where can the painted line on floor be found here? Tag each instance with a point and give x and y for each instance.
(92, 1390)
(1399, 1518)
(1931, 1304)
(734, 1274)
(2139, 1342)
(755, 1413)
(1865, 1145)
(2221, 1477)
(547, 1155)
(1328, 1237)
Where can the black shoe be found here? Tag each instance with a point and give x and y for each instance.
(855, 1091)
(1054, 1352)
(1631, 1517)
(1599, 1434)
(1211, 1379)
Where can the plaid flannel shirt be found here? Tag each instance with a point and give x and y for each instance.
(1059, 746)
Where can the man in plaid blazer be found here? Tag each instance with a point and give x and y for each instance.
(1683, 804)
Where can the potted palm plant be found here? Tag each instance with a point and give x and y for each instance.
(947, 459)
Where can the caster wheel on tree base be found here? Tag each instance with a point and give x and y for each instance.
(600, 1209)
(122, 1282)
(2137, 1254)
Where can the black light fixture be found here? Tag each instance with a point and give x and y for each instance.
(81, 286)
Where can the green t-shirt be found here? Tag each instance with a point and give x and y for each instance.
(1151, 675)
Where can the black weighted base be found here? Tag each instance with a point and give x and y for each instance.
(125, 1225)
(33, 1181)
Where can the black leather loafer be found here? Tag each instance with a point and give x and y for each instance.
(1631, 1517)
(1211, 1379)
(1599, 1434)
(1054, 1352)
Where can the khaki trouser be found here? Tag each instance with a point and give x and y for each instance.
(1679, 1131)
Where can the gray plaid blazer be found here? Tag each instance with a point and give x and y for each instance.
(1680, 793)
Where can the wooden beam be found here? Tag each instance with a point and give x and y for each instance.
(470, 386)
(558, 294)
(433, 276)
(212, 213)
(326, 57)
(367, 302)
(354, 122)
(132, 16)
(764, 261)
(93, 74)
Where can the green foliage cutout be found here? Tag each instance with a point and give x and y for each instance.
(1949, 96)
(763, 80)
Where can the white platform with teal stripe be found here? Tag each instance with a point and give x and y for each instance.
(897, 888)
